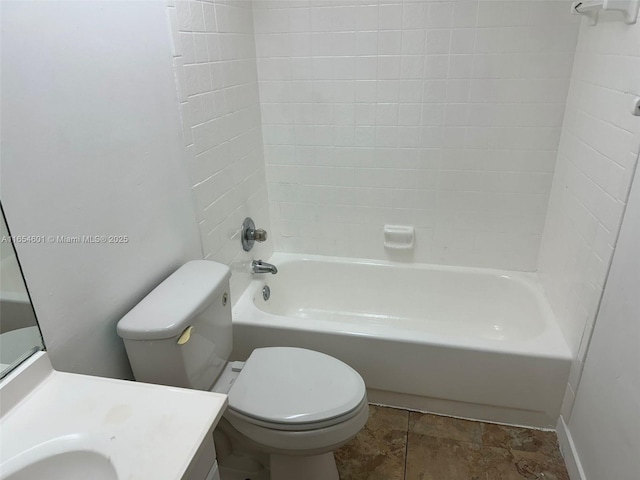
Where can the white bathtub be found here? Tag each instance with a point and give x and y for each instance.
(467, 342)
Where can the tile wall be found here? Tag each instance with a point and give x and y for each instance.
(596, 161)
(444, 115)
(215, 67)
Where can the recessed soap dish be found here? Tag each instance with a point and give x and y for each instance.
(399, 237)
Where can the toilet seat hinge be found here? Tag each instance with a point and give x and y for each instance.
(237, 366)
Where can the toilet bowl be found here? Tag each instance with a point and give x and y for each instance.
(291, 404)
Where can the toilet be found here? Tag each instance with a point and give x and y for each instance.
(290, 406)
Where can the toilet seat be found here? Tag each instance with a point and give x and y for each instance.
(235, 417)
(294, 389)
(318, 440)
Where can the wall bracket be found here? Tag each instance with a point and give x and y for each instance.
(628, 8)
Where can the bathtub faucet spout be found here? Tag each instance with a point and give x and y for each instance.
(258, 266)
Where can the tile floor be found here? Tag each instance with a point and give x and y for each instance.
(402, 445)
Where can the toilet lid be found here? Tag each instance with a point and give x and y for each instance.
(289, 385)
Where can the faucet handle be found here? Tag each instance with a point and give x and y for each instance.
(250, 234)
(259, 235)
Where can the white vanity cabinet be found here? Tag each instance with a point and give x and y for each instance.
(204, 465)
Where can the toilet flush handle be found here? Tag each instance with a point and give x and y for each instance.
(186, 335)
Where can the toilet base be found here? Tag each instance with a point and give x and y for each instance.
(227, 473)
(307, 467)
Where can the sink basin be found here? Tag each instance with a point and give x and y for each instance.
(67, 466)
(59, 459)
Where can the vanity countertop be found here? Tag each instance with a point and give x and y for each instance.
(145, 431)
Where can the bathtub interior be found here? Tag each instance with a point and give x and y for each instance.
(469, 303)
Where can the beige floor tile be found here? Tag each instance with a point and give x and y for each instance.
(432, 458)
(378, 451)
(433, 447)
(522, 439)
(530, 464)
(445, 427)
(388, 418)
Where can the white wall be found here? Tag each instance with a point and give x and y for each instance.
(440, 114)
(596, 160)
(605, 425)
(6, 250)
(91, 145)
(214, 57)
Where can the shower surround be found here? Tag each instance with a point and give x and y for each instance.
(444, 115)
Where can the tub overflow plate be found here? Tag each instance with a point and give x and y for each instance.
(266, 292)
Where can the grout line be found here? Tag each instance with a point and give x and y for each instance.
(406, 447)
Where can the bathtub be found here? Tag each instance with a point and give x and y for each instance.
(467, 342)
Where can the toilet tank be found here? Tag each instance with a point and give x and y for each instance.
(180, 334)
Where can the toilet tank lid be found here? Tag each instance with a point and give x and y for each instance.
(170, 307)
